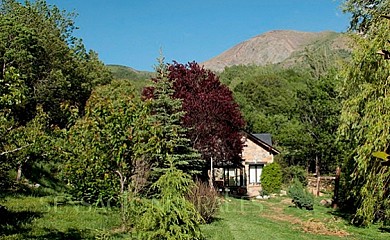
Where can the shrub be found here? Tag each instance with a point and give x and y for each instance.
(295, 172)
(300, 196)
(170, 215)
(271, 178)
(205, 199)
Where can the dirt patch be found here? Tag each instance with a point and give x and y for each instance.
(314, 226)
(317, 227)
(287, 201)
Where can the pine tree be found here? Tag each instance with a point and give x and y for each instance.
(169, 215)
(167, 114)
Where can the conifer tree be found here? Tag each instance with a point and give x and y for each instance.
(167, 114)
(170, 215)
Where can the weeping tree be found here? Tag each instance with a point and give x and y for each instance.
(365, 124)
(364, 13)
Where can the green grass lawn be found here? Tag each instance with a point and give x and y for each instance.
(278, 219)
(50, 218)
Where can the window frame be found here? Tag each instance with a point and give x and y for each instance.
(257, 167)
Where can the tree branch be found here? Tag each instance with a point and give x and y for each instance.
(14, 150)
(122, 181)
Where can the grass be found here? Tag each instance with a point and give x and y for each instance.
(278, 219)
(37, 217)
(49, 218)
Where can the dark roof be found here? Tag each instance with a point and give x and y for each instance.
(265, 137)
(264, 140)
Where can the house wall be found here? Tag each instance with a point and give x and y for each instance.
(254, 154)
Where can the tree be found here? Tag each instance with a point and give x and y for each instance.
(364, 127)
(170, 215)
(300, 108)
(46, 72)
(167, 115)
(268, 99)
(319, 110)
(365, 13)
(106, 147)
(36, 40)
(12, 96)
(212, 117)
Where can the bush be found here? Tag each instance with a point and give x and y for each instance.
(271, 178)
(170, 215)
(295, 172)
(300, 196)
(205, 199)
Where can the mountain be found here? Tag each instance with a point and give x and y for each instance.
(139, 79)
(285, 47)
(123, 72)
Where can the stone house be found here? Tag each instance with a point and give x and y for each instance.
(246, 179)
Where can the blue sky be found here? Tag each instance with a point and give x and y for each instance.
(131, 32)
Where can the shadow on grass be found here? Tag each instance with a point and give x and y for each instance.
(215, 220)
(385, 229)
(236, 196)
(73, 234)
(38, 180)
(19, 223)
(348, 216)
(16, 222)
(44, 176)
(341, 214)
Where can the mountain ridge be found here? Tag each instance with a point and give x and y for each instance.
(277, 47)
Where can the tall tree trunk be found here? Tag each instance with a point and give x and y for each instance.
(211, 173)
(19, 172)
(122, 197)
(20, 169)
(318, 176)
(336, 188)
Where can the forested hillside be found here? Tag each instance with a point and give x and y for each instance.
(300, 111)
(139, 79)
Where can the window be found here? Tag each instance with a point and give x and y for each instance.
(233, 177)
(255, 173)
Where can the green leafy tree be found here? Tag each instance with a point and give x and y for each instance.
(319, 110)
(365, 13)
(365, 125)
(36, 40)
(105, 146)
(44, 71)
(300, 108)
(268, 100)
(12, 96)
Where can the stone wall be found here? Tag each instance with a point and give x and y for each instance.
(254, 153)
(326, 185)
